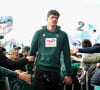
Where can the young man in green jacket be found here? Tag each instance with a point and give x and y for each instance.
(47, 45)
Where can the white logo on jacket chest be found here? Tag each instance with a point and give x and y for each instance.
(50, 42)
(43, 35)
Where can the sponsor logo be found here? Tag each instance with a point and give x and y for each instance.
(50, 42)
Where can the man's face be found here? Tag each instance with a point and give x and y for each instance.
(52, 20)
(14, 53)
(25, 53)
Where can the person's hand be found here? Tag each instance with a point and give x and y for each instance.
(75, 58)
(73, 51)
(24, 76)
(30, 58)
(8, 88)
(98, 64)
(67, 80)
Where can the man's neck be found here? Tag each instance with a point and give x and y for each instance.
(51, 28)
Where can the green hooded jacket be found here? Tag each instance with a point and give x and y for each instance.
(47, 47)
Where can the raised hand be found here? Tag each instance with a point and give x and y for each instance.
(24, 76)
(30, 58)
(73, 51)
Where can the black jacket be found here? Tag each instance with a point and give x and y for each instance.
(13, 65)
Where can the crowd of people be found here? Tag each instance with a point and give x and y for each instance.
(49, 63)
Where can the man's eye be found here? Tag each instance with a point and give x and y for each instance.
(52, 17)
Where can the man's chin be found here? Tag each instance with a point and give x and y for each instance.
(53, 25)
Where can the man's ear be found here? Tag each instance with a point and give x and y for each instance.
(47, 19)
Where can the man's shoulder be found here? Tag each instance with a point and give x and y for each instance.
(63, 32)
(39, 31)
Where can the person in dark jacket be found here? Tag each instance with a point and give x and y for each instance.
(95, 58)
(14, 82)
(95, 49)
(13, 65)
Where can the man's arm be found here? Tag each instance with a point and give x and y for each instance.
(33, 50)
(95, 49)
(13, 65)
(92, 59)
(67, 61)
(7, 72)
(66, 55)
(34, 45)
(20, 75)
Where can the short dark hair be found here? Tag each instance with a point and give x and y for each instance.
(53, 12)
(86, 43)
(2, 49)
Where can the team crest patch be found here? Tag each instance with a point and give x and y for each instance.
(50, 42)
(43, 35)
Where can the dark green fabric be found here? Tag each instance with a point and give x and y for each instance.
(74, 71)
(2, 78)
(3, 73)
(2, 85)
(16, 84)
(1, 37)
(27, 48)
(48, 58)
(7, 72)
(29, 68)
(74, 68)
(75, 65)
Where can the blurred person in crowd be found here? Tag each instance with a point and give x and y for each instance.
(95, 49)
(14, 53)
(3, 50)
(13, 65)
(95, 58)
(84, 67)
(5, 62)
(25, 51)
(14, 82)
(85, 43)
(74, 69)
(9, 73)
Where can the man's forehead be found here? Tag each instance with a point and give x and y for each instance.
(53, 15)
(14, 49)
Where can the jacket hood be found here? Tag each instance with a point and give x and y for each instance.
(56, 31)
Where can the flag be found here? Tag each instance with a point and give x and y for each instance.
(22, 46)
(6, 23)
